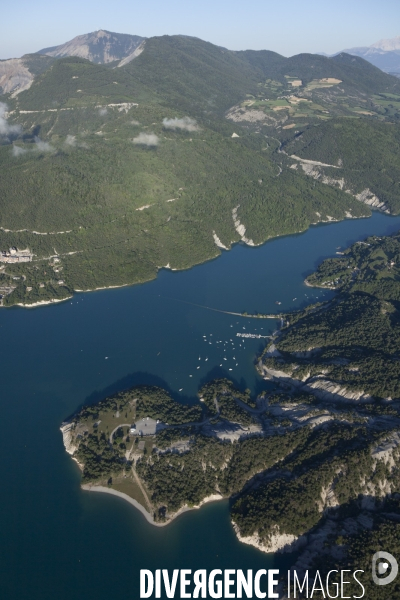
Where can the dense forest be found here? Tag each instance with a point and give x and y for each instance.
(364, 155)
(353, 340)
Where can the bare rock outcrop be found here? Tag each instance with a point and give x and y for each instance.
(67, 429)
(133, 55)
(276, 542)
(371, 199)
(240, 228)
(15, 76)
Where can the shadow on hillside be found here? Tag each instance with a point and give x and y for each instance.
(148, 379)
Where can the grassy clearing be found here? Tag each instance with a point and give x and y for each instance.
(127, 485)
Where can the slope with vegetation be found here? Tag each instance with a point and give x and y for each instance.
(363, 154)
(352, 342)
(110, 174)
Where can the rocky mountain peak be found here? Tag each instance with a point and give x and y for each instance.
(388, 45)
(99, 46)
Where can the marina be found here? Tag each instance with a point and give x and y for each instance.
(254, 336)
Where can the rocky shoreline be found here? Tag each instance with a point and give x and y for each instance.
(277, 542)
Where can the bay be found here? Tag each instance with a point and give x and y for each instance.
(58, 542)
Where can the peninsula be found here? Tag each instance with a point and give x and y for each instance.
(313, 463)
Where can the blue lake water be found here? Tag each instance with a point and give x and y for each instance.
(58, 542)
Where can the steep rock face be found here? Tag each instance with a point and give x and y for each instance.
(277, 541)
(67, 429)
(322, 388)
(17, 74)
(371, 199)
(99, 47)
(240, 228)
(15, 77)
(137, 51)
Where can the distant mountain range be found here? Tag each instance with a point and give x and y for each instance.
(104, 47)
(118, 49)
(384, 54)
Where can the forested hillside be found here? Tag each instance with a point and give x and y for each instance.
(110, 173)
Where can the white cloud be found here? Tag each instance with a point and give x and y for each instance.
(102, 112)
(146, 139)
(42, 146)
(5, 128)
(186, 124)
(133, 122)
(70, 140)
(18, 151)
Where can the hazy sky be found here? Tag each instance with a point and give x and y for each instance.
(286, 26)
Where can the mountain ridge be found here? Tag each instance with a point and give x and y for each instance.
(112, 49)
(384, 54)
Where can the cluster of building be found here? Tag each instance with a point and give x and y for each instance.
(13, 255)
